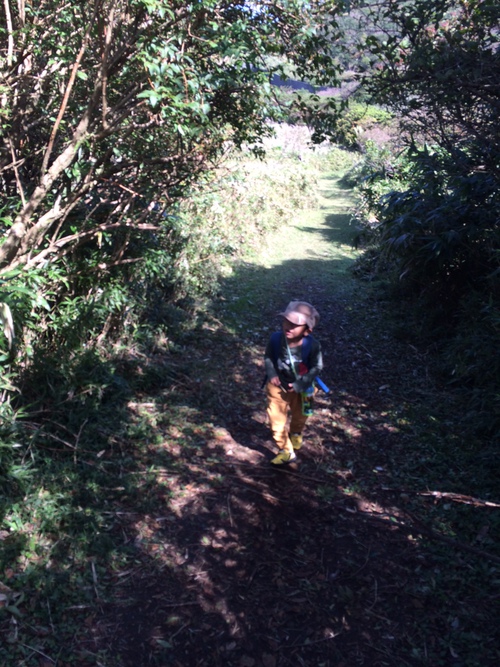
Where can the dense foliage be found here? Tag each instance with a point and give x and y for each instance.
(111, 110)
(433, 214)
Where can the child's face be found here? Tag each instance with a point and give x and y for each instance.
(293, 332)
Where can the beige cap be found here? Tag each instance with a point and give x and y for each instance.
(301, 312)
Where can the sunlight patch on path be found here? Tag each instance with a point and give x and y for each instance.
(322, 233)
(309, 256)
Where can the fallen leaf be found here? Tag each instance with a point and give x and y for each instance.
(5, 589)
(247, 661)
(268, 660)
(482, 533)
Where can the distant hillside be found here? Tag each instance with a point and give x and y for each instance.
(345, 90)
(292, 83)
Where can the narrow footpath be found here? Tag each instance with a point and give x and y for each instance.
(319, 564)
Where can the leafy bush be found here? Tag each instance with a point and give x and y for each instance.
(346, 122)
(95, 129)
(443, 229)
(429, 223)
(472, 361)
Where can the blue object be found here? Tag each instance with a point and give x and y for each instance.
(322, 385)
(276, 340)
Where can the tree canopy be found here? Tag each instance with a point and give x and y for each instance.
(110, 108)
(439, 70)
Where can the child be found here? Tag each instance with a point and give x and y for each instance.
(292, 359)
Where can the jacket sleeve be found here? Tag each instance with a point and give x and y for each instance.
(271, 371)
(316, 366)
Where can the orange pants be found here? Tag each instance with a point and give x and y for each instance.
(279, 402)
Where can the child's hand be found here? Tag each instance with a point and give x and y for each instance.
(277, 383)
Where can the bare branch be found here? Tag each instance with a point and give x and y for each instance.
(67, 92)
(108, 32)
(62, 246)
(10, 30)
(16, 172)
(12, 243)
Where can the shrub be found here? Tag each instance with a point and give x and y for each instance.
(471, 359)
(429, 222)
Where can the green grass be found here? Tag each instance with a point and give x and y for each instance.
(320, 242)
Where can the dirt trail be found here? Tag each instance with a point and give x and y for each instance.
(315, 565)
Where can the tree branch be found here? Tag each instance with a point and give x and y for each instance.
(60, 248)
(67, 92)
(17, 233)
(16, 172)
(104, 68)
(10, 33)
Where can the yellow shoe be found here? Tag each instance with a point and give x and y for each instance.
(283, 457)
(296, 440)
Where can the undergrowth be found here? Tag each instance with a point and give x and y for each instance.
(426, 223)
